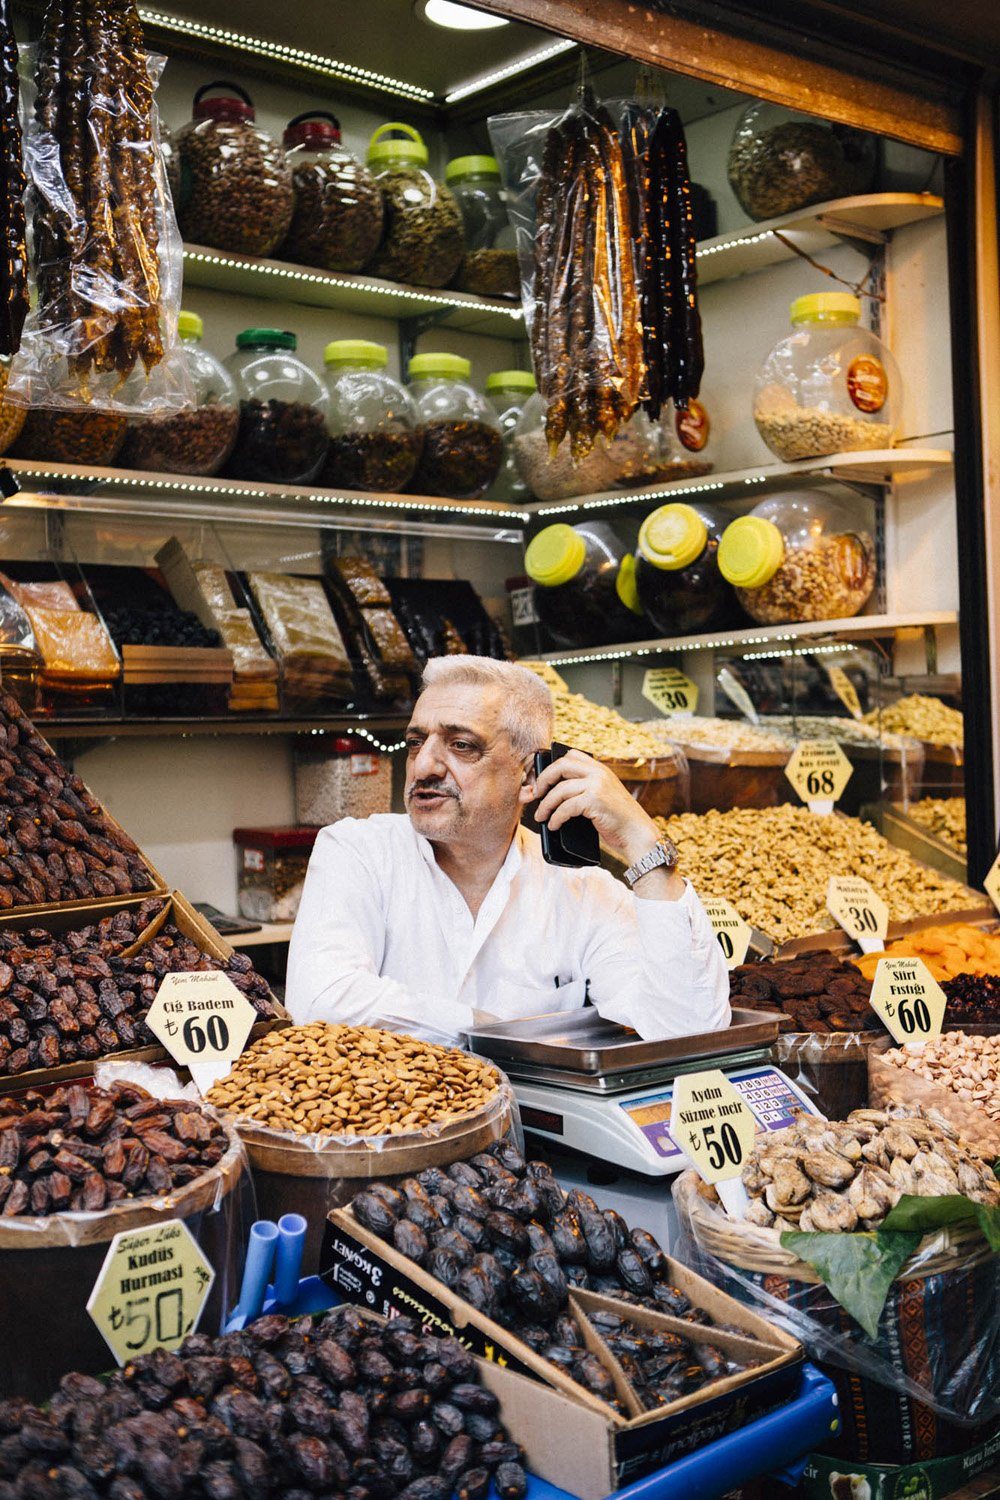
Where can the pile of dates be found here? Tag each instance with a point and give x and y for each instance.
(500, 1232)
(56, 841)
(328, 1405)
(75, 996)
(659, 1366)
(83, 1149)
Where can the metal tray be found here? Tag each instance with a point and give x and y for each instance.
(583, 1042)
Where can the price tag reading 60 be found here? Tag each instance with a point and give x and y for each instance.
(908, 999)
(201, 1018)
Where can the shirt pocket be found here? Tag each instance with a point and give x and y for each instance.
(513, 1002)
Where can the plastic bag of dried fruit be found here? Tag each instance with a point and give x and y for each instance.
(106, 252)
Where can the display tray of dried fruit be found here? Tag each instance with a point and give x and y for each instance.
(113, 980)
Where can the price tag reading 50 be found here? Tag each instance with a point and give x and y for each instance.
(151, 1289)
(715, 1128)
(908, 999)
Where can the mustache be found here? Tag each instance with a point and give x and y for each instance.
(443, 789)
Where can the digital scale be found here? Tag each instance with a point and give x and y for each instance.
(599, 1096)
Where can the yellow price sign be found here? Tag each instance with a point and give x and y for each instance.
(908, 999)
(712, 1125)
(151, 1289)
(732, 932)
(819, 771)
(991, 885)
(669, 690)
(201, 1017)
(845, 691)
(861, 912)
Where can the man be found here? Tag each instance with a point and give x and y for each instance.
(449, 915)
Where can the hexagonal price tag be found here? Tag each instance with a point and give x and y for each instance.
(203, 1021)
(819, 770)
(151, 1289)
(845, 690)
(908, 999)
(715, 1128)
(860, 911)
(732, 932)
(669, 690)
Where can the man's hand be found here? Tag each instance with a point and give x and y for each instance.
(576, 786)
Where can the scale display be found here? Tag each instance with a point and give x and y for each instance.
(770, 1095)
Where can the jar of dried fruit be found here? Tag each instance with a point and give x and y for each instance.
(236, 186)
(338, 214)
(780, 161)
(192, 441)
(282, 435)
(489, 265)
(423, 240)
(463, 447)
(800, 555)
(375, 431)
(830, 386)
(507, 391)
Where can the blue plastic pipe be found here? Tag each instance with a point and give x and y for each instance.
(288, 1259)
(257, 1271)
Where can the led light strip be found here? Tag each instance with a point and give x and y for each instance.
(350, 284)
(329, 67)
(363, 734)
(730, 244)
(519, 65)
(800, 651)
(670, 492)
(624, 653)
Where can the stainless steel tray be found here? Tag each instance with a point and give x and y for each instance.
(583, 1042)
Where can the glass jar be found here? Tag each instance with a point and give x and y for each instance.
(375, 432)
(338, 214)
(194, 441)
(780, 161)
(342, 777)
(71, 435)
(640, 453)
(236, 186)
(271, 871)
(489, 265)
(829, 386)
(282, 430)
(507, 392)
(677, 576)
(585, 593)
(800, 555)
(423, 228)
(463, 447)
(171, 163)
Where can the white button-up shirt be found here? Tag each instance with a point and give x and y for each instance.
(383, 934)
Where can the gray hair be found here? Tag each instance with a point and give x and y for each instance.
(528, 714)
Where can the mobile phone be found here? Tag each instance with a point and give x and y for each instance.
(576, 843)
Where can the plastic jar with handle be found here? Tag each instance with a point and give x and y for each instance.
(830, 386)
(282, 435)
(680, 588)
(507, 391)
(585, 591)
(375, 430)
(489, 265)
(463, 445)
(338, 215)
(423, 241)
(800, 555)
(194, 441)
(236, 186)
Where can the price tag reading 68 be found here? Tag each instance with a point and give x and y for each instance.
(908, 999)
(819, 770)
(201, 1019)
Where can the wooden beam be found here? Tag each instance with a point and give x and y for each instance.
(766, 72)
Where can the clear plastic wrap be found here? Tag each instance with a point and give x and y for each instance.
(938, 1340)
(892, 1082)
(107, 253)
(830, 1069)
(305, 636)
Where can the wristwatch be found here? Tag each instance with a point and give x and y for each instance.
(662, 853)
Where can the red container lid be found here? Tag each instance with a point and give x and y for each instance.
(234, 104)
(275, 838)
(316, 128)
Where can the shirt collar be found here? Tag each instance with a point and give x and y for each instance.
(512, 862)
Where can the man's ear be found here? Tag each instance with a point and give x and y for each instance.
(526, 792)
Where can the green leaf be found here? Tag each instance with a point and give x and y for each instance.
(858, 1268)
(928, 1214)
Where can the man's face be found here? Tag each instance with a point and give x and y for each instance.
(464, 780)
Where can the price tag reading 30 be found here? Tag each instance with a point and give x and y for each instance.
(670, 690)
(732, 932)
(819, 770)
(715, 1128)
(860, 911)
(151, 1289)
(203, 1021)
(908, 999)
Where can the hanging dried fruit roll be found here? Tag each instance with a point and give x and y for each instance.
(638, 121)
(12, 184)
(619, 288)
(685, 326)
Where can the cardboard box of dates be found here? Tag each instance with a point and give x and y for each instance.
(573, 1438)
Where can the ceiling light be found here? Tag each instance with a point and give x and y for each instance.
(458, 17)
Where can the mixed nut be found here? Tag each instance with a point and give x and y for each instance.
(597, 730)
(968, 1065)
(830, 579)
(352, 1080)
(82, 1149)
(187, 442)
(82, 995)
(330, 1404)
(923, 717)
(840, 1175)
(944, 818)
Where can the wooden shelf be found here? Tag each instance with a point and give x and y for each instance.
(859, 628)
(95, 728)
(270, 932)
(878, 466)
(280, 281)
(870, 217)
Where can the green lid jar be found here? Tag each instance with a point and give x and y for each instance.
(194, 441)
(507, 391)
(422, 243)
(375, 432)
(463, 446)
(282, 436)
